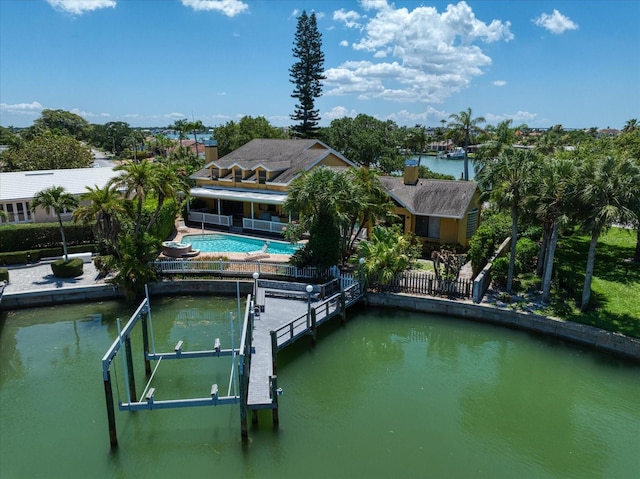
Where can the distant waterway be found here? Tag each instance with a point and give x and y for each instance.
(453, 167)
(389, 394)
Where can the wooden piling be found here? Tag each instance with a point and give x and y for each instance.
(314, 329)
(343, 307)
(130, 373)
(145, 345)
(274, 398)
(111, 416)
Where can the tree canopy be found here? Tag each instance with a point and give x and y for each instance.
(60, 122)
(232, 135)
(367, 141)
(47, 151)
(307, 74)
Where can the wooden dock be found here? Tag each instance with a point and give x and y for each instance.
(289, 319)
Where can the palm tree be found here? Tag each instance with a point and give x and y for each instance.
(418, 139)
(369, 204)
(55, 198)
(610, 187)
(631, 125)
(104, 206)
(167, 181)
(136, 180)
(320, 197)
(464, 124)
(552, 195)
(194, 127)
(507, 177)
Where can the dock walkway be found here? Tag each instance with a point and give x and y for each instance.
(288, 318)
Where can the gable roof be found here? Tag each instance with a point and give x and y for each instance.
(23, 185)
(289, 157)
(442, 198)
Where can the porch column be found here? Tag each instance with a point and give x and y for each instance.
(252, 215)
(219, 207)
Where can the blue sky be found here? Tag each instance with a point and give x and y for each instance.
(146, 62)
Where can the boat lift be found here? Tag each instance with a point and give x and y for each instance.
(239, 376)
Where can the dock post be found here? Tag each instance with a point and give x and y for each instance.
(274, 351)
(343, 307)
(132, 379)
(145, 345)
(111, 417)
(244, 433)
(314, 329)
(274, 398)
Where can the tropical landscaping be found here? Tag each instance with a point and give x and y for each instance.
(556, 193)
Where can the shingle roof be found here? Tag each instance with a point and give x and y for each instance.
(442, 198)
(290, 157)
(23, 185)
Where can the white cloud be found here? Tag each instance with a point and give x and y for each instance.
(230, 8)
(33, 108)
(344, 43)
(556, 22)
(174, 116)
(518, 118)
(338, 112)
(78, 7)
(499, 83)
(348, 18)
(88, 114)
(417, 55)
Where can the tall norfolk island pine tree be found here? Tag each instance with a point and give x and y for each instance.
(307, 74)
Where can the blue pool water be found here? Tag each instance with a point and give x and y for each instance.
(226, 243)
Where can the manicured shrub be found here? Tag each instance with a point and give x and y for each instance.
(21, 237)
(67, 269)
(19, 257)
(4, 274)
(500, 270)
(527, 253)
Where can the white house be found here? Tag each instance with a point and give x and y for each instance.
(18, 188)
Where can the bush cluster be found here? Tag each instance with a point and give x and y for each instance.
(493, 230)
(35, 255)
(4, 274)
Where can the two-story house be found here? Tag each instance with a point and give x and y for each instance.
(245, 189)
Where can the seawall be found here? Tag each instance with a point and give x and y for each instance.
(596, 338)
(614, 343)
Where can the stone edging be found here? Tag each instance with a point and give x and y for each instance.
(600, 339)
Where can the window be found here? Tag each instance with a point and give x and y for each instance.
(262, 177)
(237, 175)
(422, 226)
(472, 222)
(20, 212)
(215, 173)
(434, 227)
(428, 226)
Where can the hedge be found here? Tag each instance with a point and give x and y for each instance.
(32, 236)
(35, 255)
(67, 269)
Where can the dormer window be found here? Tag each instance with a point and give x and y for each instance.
(215, 173)
(262, 177)
(237, 175)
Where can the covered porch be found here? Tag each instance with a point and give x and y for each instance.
(240, 209)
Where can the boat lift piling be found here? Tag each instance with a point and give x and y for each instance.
(239, 370)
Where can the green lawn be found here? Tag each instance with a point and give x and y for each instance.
(615, 290)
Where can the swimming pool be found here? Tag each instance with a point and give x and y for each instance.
(228, 243)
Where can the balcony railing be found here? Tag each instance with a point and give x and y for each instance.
(210, 218)
(263, 225)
